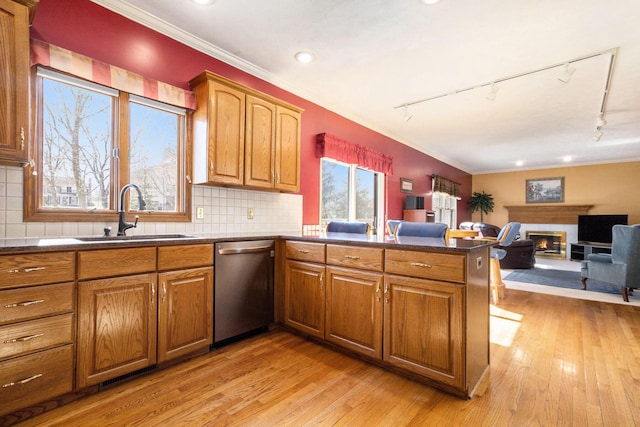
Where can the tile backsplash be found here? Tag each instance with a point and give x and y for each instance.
(225, 211)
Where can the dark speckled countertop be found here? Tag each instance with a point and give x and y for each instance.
(93, 242)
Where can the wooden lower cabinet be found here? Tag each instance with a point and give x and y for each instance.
(354, 310)
(304, 300)
(116, 327)
(185, 312)
(423, 328)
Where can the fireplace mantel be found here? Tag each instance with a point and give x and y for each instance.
(547, 214)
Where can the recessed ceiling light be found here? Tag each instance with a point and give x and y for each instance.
(203, 1)
(566, 159)
(305, 56)
(519, 163)
(430, 2)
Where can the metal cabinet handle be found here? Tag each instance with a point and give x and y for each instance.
(26, 270)
(378, 292)
(321, 281)
(352, 256)
(153, 293)
(22, 138)
(24, 381)
(421, 264)
(303, 251)
(164, 291)
(386, 293)
(24, 303)
(22, 339)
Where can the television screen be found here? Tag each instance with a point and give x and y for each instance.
(597, 228)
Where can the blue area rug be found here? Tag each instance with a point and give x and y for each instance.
(560, 279)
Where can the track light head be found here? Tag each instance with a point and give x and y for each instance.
(566, 73)
(597, 135)
(493, 92)
(600, 121)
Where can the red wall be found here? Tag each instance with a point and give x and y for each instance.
(89, 29)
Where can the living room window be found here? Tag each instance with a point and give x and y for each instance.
(349, 193)
(91, 140)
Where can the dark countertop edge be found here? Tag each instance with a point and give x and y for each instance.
(16, 245)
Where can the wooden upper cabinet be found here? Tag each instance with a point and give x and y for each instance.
(260, 143)
(14, 81)
(242, 137)
(287, 152)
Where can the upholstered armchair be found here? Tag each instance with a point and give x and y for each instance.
(435, 230)
(355, 227)
(622, 266)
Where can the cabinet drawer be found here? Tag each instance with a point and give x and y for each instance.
(36, 269)
(356, 257)
(35, 301)
(185, 256)
(31, 379)
(304, 251)
(26, 337)
(426, 265)
(115, 262)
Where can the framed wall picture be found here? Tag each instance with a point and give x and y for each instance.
(406, 185)
(545, 190)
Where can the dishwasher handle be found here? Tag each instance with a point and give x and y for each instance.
(233, 251)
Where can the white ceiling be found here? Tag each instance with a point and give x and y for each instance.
(374, 55)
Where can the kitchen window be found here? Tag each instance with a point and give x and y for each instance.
(350, 193)
(91, 140)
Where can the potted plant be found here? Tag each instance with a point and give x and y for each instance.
(482, 202)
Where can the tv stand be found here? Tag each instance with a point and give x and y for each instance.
(581, 250)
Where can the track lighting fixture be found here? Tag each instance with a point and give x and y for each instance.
(407, 116)
(597, 135)
(600, 121)
(493, 92)
(566, 73)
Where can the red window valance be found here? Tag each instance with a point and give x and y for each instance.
(46, 54)
(331, 146)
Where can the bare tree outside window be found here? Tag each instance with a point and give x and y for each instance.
(76, 149)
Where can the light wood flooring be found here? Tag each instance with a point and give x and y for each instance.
(554, 362)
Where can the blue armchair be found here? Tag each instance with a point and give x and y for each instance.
(622, 266)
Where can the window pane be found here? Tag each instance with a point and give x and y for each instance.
(76, 127)
(365, 195)
(153, 151)
(335, 192)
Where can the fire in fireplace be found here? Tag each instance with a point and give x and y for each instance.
(549, 243)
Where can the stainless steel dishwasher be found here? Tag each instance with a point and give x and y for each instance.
(243, 295)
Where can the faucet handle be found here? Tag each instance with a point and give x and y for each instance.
(135, 221)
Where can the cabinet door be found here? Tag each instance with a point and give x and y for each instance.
(287, 164)
(259, 143)
(14, 80)
(116, 327)
(423, 328)
(219, 137)
(185, 312)
(354, 310)
(305, 297)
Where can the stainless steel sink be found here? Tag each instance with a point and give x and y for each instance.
(135, 237)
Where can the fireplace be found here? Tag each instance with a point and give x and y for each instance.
(549, 243)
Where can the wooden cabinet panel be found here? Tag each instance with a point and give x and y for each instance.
(259, 143)
(305, 297)
(185, 256)
(423, 328)
(27, 380)
(14, 81)
(218, 137)
(36, 269)
(287, 149)
(356, 257)
(116, 327)
(33, 335)
(305, 251)
(35, 301)
(115, 262)
(185, 312)
(428, 265)
(354, 310)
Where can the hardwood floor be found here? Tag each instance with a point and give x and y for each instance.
(554, 362)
